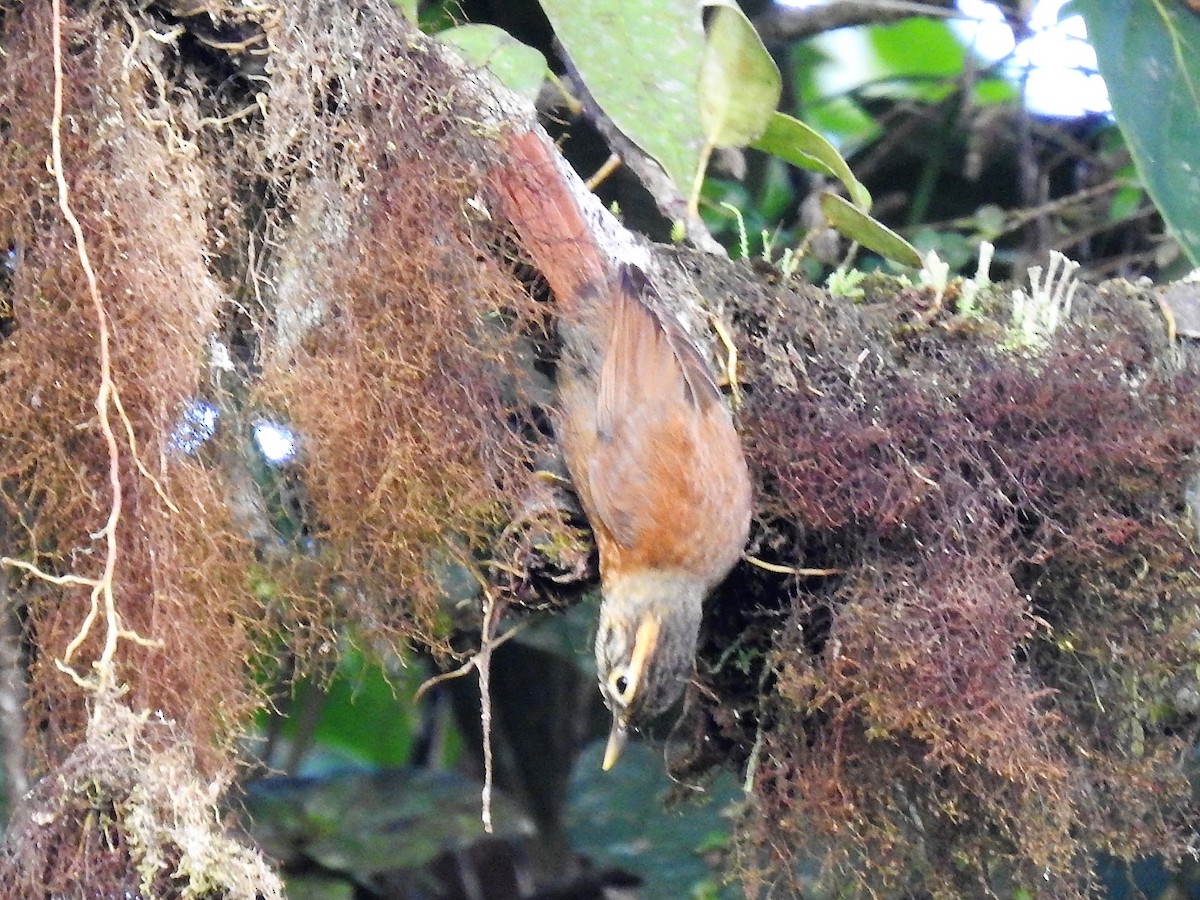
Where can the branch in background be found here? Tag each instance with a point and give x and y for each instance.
(781, 24)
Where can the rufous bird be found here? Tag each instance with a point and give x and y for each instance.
(648, 441)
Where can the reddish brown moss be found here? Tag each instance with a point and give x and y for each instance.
(988, 691)
(143, 210)
(412, 393)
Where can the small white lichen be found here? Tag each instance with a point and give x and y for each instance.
(1037, 315)
(935, 274)
(969, 293)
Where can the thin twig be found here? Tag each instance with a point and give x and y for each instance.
(481, 662)
(484, 666)
(783, 23)
(610, 165)
(470, 664)
(789, 570)
(730, 361)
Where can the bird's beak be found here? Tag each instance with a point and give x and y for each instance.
(644, 645)
(616, 743)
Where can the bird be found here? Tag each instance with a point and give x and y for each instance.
(648, 441)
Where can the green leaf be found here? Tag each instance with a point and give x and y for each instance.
(364, 714)
(858, 226)
(844, 119)
(994, 91)
(1125, 202)
(914, 48)
(437, 17)
(793, 141)
(656, 104)
(519, 67)
(408, 8)
(1149, 55)
(739, 82)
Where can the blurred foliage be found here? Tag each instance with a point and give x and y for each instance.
(361, 714)
(681, 92)
(369, 794)
(676, 835)
(373, 826)
(943, 143)
(739, 86)
(657, 105)
(519, 67)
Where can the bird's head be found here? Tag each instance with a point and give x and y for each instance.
(645, 647)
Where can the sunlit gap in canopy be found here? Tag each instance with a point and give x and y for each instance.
(1056, 63)
(198, 423)
(276, 442)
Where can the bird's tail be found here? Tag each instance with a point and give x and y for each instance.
(549, 224)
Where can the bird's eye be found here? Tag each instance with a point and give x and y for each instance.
(620, 686)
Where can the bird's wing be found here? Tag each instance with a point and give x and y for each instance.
(654, 401)
(649, 365)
